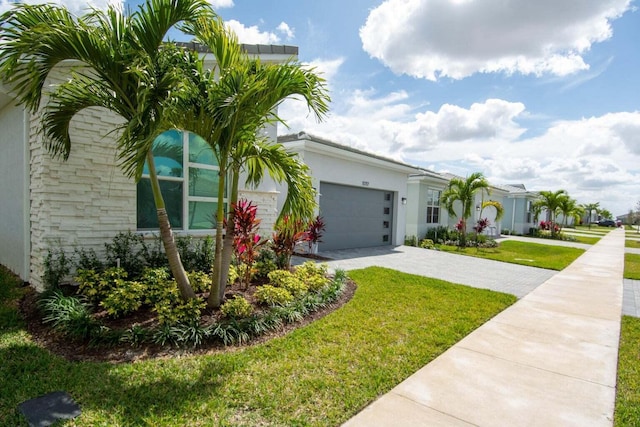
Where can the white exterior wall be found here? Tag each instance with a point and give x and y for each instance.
(338, 166)
(14, 191)
(267, 202)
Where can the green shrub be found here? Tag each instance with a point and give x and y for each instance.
(127, 249)
(286, 280)
(266, 262)
(126, 297)
(69, 315)
(200, 281)
(157, 283)
(174, 310)
(96, 286)
(313, 275)
(427, 244)
(87, 259)
(440, 234)
(411, 241)
(56, 267)
(272, 296)
(237, 308)
(233, 274)
(196, 254)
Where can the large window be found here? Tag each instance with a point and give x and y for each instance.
(188, 175)
(433, 206)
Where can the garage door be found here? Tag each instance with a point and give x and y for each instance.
(355, 217)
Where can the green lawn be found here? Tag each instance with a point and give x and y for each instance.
(594, 229)
(628, 386)
(586, 239)
(524, 253)
(632, 266)
(319, 375)
(632, 243)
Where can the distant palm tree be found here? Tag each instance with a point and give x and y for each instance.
(551, 202)
(569, 208)
(589, 208)
(127, 72)
(228, 107)
(461, 192)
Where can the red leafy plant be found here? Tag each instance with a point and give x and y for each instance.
(315, 232)
(246, 240)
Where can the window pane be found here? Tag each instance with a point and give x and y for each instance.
(202, 215)
(203, 182)
(200, 151)
(167, 154)
(146, 210)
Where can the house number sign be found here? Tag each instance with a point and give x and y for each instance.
(365, 183)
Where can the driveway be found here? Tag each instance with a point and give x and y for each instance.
(514, 279)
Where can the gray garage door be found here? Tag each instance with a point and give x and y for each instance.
(355, 217)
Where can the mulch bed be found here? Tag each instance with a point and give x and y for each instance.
(73, 350)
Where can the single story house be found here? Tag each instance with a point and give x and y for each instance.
(518, 209)
(85, 201)
(361, 196)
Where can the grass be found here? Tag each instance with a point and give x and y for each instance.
(586, 239)
(632, 266)
(524, 253)
(319, 375)
(594, 229)
(627, 411)
(632, 243)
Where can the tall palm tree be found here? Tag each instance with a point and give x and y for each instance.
(569, 208)
(228, 106)
(125, 70)
(462, 192)
(551, 202)
(589, 208)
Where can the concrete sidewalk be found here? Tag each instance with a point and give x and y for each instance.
(548, 360)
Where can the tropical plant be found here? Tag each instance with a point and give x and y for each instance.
(315, 232)
(589, 208)
(246, 240)
(125, 67)
(462, 192)
(228, 106)
(550, 201)
(289, 232)
(569, 208)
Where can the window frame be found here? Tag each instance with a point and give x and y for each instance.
(433, 205)
(185, 179)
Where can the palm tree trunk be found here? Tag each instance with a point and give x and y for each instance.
(227, 248)
(215, 299)
(175, 264)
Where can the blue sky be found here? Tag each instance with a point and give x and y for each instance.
(544, 93)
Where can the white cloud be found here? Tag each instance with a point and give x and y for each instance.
(437, 38)
(77, 7)
(219, 4)
(288, 32)
(252, 34)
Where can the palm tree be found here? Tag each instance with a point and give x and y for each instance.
(462, 192)
(125, 71)
(590, 208)
(551, 202)
(569, 208)
(228, 106)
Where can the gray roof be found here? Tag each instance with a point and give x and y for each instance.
(254, 49)
(304, 136)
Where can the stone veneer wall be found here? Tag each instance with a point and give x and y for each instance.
(267, 202)
(84, 201)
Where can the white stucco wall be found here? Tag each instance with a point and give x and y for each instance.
(337, 166)
(14, 191)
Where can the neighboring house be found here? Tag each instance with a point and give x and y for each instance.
(424, 190)
(86, 201)
(518, 209)
(361, 196)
